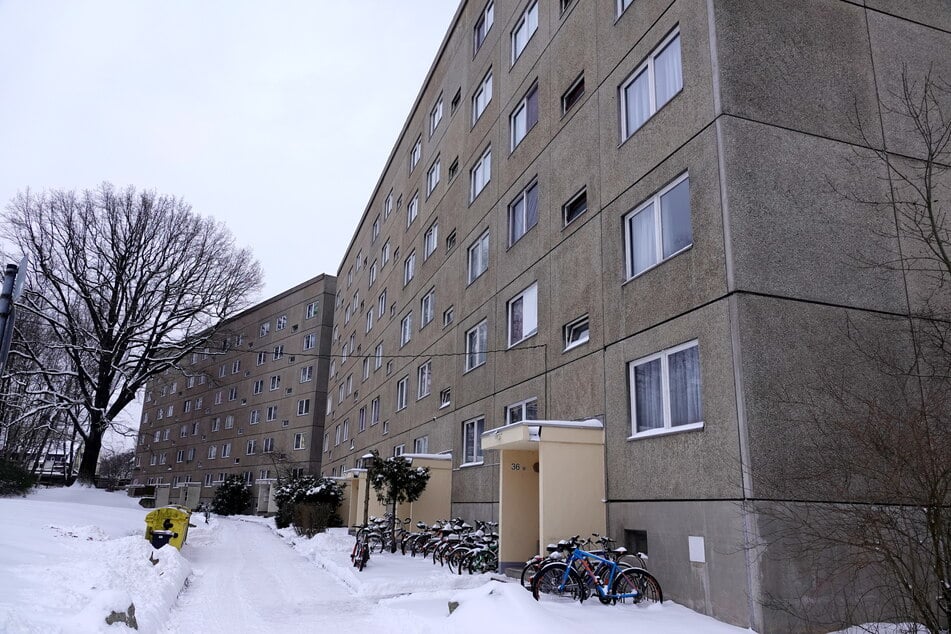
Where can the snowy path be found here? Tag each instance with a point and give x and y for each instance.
(247, 580)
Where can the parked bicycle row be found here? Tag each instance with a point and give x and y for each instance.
(576, 569)
(455, 543)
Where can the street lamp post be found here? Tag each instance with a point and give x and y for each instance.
(367, 463)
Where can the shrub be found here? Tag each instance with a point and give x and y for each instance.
(14, 479)
(232, 497)
(309, 502)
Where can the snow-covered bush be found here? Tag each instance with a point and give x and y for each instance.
(232, 497)
(14, 479)
(309, 502)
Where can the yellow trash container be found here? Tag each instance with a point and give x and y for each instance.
(167, 525)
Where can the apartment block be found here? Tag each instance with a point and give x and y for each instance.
(609, 236)
(248, 405)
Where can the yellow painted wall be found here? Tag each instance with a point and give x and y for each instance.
(571, 489)
(436, 501)
(518, 507)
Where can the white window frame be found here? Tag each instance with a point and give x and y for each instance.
(529, 317)
(518, 120)
(369, 323)
(482, 97)
(522, 407)
(415, 154)
(375, 411)
(480, 174)
(476, 353)
(311, 310)
(265, 329)
(254, 417)
(653, 202)
(663, 356)
(381, 304)
(310, 341)
(478, 258)
(525, 28)
(421, 445)
(518, 209)
(480, 31)
(569, 336)
(473, 455)
(412, 209)
(402, 392)
(647, 66)
(299, 441)
(622, 6)
(303, 407)
(388, 205)
(424, 378)
(432, 177)
(275, 382)
(427, 308)
(435, 115)
(307, 374)
(406, 329)
(409, 267)
(430, 240)
(445, 397)
(280, 323)
(271, 413)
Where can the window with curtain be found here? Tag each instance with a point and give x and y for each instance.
(651, 85)
(523, 213)
(659, 228)
(665, 390)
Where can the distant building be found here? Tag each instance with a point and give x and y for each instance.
(250, 406)
(616, 216)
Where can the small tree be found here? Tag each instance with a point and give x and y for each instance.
(233, 497)
(395, 482)
(115, 467)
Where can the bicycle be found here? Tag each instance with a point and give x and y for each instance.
(576, 578)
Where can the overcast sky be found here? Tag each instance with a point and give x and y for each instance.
(274, 117)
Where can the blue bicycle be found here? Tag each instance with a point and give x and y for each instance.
(586, 573)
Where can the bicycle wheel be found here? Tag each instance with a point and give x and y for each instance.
(631, 580)
(549, 579)
(528, 573)
(454, 558)
(363, 557)
(483, 561)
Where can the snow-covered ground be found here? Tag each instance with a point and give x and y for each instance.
(72, 556)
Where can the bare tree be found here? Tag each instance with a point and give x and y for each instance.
(872, 525)
(125, 284)
(115, 467)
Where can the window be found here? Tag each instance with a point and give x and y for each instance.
(310, 341)
(385, 253)
(622, 5)
(388, 205)
(255, 417)
(476, 340)
(252, 446)
(482, 97)
(170, 411)
(275, 382)
(651, 85)
(271, 413)
(447, 317)
(525, 410)
(665, 390)
(268, 445)
(191, 380)
(480, 174)
(366, 368)
(402, 387)
(183, 432)
(430, 240)
(573, 95)
(336, 435)
(215, 423)
(409, 267)
(218, 397)
(187, 406)
(311, 311)
(432, 177)
(229, 422)
(406, 329)
(659, 228)
(575, 207)
(349, 277)
(525, 116)
(278, 352)
(445, 397)
(576, 333)
(262, 357)
(524, 29)
(381, 304)
(226, 450)
(306, 373)
(326, 442)
(212, 452)
(523, 213)
(378, 357)
(472, 441)
(346, 429)
(369, 322)
(412, 210)
(258, 386)
(482, 26)
(454, 104)
(451, 240)
(523, 315)
(435, 115)
(415, 154)
(421, 445)
(299, 440)
(265, 328)
(427, 308)
(399, 450)
(375, 411)
(303, 407)
(362, 420)
(372, 274)
(478, 257)
(424, 376)
(349, 384)
(281, 323)
(233, 394)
